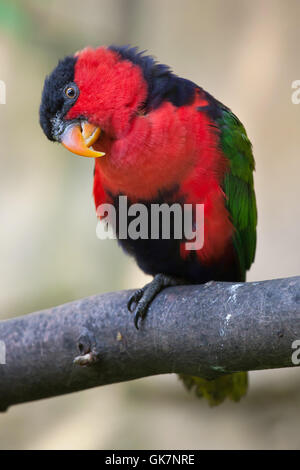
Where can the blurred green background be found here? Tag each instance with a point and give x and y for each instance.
(247, 55)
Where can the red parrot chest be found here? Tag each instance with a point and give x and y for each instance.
(171, 156)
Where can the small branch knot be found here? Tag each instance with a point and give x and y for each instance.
(86, 345)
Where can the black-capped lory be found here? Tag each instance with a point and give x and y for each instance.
(159, 138)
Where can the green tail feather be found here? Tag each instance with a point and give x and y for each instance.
(233, 386)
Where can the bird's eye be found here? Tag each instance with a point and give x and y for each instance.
(70, 92)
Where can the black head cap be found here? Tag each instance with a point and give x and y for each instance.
(54, 102)
(163, 84)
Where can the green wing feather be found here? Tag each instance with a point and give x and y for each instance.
(241, 204)
(238, 187)
(232, 386)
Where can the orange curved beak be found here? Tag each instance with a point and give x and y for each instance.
(79, 138)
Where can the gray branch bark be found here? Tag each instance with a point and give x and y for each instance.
(204, 330)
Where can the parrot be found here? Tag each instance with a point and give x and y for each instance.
(158, 138)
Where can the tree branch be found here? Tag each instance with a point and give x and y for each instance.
(204, 330)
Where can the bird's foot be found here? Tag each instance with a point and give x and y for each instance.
(142, 298)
